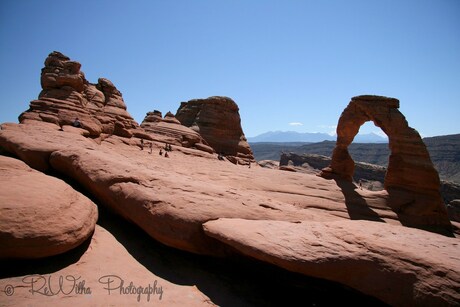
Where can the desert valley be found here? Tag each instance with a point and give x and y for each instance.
(97, 209)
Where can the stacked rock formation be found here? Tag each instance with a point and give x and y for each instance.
(176, 133)
(218, 121)
(411, 179)
(67, 95)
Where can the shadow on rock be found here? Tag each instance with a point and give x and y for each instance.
(357, 207)
(235, 281)
(42, 266)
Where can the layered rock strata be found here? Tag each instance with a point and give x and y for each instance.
(67, 96)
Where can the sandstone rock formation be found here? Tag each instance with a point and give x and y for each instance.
(218, 121)
(40, 215)
(299, 222)
(171, 198)
(174, 131)
(67, 95)
(375, 258)
(411, 180)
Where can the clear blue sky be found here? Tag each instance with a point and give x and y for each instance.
(283, 62)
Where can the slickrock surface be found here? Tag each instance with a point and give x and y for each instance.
(171, 197)
(67, 95)
(40, 215)
(218, 121)
(411, 179)
(103, 263)
(400, 266)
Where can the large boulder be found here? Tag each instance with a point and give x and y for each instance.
(411, 179)
(66, 95)
(400, 266)
(40, 215)
(218, 121)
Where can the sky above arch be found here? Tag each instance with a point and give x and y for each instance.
(289, 65)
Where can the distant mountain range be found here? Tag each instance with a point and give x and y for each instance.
(307, 137)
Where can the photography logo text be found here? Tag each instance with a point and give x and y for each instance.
(71, 285)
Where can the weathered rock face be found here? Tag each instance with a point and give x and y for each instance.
(174, 131)
(67, 95)
(40, 215)
(375, 258)
(411, 179)
(218, 121)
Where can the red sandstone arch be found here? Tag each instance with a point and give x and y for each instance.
(411, 179)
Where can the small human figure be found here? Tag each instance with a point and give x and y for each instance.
(161, 152)
(249, 165)
(169, 147)
(220, 156)
(360, 184)
(166, 155)
(151, 148)
(76, 123)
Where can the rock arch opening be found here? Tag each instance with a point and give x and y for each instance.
(411, 179)
(370, 151)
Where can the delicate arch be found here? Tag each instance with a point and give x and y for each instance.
(411, 179)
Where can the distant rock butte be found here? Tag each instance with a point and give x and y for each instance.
(411, 179)
(218, 121)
